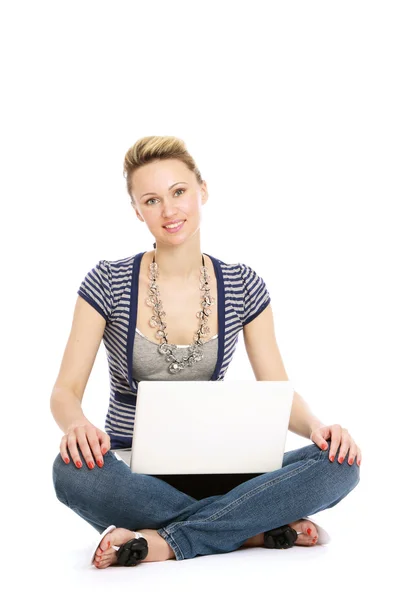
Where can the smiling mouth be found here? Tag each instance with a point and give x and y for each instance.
(174, 227)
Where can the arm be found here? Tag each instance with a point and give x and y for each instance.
(266, 361)
(77, 363)
(302, 420)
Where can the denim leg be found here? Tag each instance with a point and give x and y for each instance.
(113, 495)
(306, 484)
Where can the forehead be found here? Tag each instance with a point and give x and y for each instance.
(162, 173)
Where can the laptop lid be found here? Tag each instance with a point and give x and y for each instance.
(198, 427)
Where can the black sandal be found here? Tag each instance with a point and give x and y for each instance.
(133, 552)
(280, 538)
(129, 554)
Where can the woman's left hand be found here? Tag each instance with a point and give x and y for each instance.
(339, 436)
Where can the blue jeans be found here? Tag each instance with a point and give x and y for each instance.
(112, 495)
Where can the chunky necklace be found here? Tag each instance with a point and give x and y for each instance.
(195, 351)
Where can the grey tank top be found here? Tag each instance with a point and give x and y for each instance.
(149, 364)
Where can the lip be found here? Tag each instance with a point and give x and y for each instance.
(176, 229)
(172, 222)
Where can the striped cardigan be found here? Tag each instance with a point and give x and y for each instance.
(111, 287)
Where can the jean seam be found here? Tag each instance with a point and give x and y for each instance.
(173, 527)
(169, 538)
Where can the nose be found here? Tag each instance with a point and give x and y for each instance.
(169, 208)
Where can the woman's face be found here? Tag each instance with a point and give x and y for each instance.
(166, 190)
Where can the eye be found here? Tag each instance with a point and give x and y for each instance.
(178, 190)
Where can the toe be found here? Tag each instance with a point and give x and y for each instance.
(106, 542)
(310, 529)
(102, 562)
(101, 550)
(106, 561)
(308, 532)
(311, 532)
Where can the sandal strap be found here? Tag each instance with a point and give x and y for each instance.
(281, 538)
(132, 552)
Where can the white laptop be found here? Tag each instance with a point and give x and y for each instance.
(209, 427)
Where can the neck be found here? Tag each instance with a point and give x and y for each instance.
(179, 263)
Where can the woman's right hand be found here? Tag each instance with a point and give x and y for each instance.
(93, 442)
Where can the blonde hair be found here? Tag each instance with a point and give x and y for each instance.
(153, 148)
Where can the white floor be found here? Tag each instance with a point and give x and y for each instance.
(359, 560)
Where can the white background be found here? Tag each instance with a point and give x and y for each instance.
(290, 110)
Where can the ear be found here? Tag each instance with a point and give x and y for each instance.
(204, 193)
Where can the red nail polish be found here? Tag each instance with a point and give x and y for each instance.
(309, 531)
(341, 460)
(331, 458)
(79, 464)
(103, 451)
(351, 461)
(324, 447)
(66, 460)
(91, 465)
(100, 463)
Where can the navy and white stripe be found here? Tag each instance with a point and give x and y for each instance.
(111, 288)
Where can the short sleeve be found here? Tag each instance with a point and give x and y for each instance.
(255, 294)
(96, 289)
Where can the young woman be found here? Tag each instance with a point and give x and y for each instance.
(175, 312)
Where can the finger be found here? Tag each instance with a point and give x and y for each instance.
(352, 453)
(63, 449)
(104, 440)
(344, 448)
(84, 447)
(320, 441)
(95, 447)
(335, 442)
(73, 450)
(359, 457)
(317, 436)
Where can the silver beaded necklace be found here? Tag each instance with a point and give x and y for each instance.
(195, 351)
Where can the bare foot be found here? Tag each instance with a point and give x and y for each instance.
(307, 535)
(159, 549)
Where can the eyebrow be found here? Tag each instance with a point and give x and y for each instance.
(170, 187)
